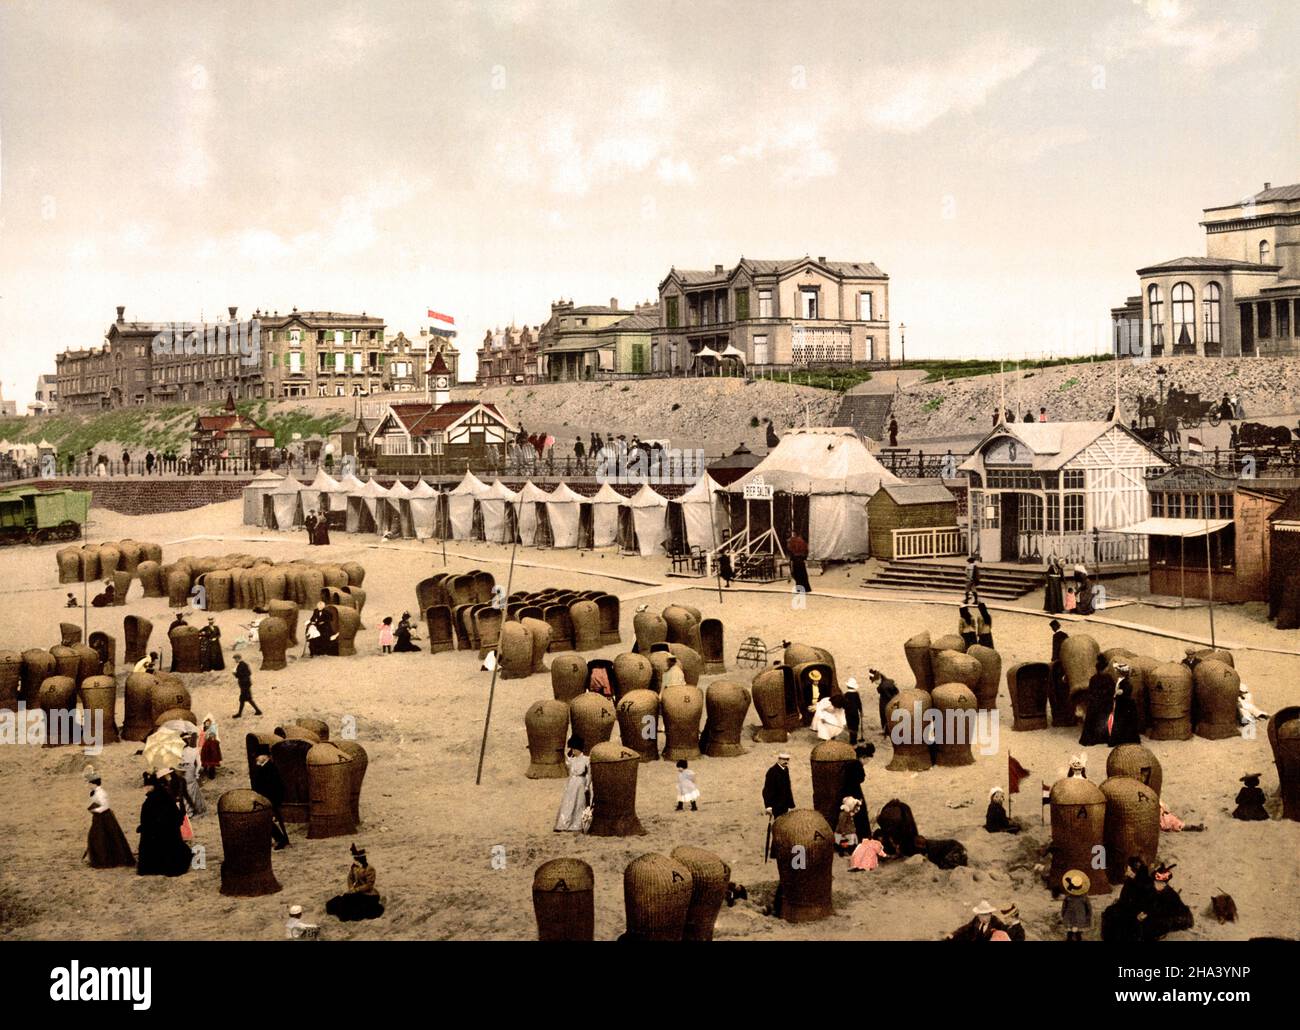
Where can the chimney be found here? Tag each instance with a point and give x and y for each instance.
(717, 269)
(232, 309)
(1268, 185)
(613, 303)
(121, 311)
(821, 258)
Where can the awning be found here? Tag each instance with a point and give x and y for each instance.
(1176, 527)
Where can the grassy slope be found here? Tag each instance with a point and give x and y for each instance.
(157, 429)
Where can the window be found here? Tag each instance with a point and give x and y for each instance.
(1283, 318)
(864, 307)
(1184, 311)
(808, 302)
(820, 346)
(321, 359)
(357, 359)
(764, 303)
(1263, 252)
(295, 364)
(871, 348)
(760, 349)
(295, 337)
(638, 357)
(742, 305)
(1074, 513)
(1157, 505)
(672, 312)
(1265, 320)
(1031, 514)
(1073, 479)
(1156, 315)
(1211, 305)
(338, 337)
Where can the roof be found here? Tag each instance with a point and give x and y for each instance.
(471, 485)
(423, 418)
(1273, 193)
(1175, 527)
(1054, 444)
(531, 492)
(439, 366)
(819, 461)
(700, 492)
(605, 495)
(565, 494)
(641, 320)
(423, 489)
(499, 490)
(918, 493)
(764, 267)
(371, 489)
(1288, 510)
(1206, 264)
(399, 489)
(646, 497)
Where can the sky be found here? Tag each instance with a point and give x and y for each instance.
(1009, 165)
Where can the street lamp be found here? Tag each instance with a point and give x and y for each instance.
(902, 333)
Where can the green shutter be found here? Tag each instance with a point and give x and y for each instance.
(742, 305)
(273, 359)
(381, 360)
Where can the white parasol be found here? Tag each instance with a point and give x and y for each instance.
(163, 749)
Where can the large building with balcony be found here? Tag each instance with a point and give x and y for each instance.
(296, 354)
(1240, 300)
(804, 312)
(584, 342)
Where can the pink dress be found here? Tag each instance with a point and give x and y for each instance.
(385, 636)
(867, 855)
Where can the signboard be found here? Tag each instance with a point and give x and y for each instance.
(757, 490)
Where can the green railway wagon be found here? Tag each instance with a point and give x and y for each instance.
(28, 515)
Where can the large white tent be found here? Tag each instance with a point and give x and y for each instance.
(421, 508)
(282, 507)
(691, 516)
(564, 509)
(498, 506)
(363, 506)
(460, 505)
(257, 489)
(534, 519)
(833, 469)
(604, 508)
(649, 519)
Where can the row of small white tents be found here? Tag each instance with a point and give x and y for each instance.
(473, 510)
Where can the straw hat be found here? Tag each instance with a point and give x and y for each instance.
(851, 685)
(295, 910)
(1076, 883)
(984, 909)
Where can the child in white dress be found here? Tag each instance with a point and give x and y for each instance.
(687, 791)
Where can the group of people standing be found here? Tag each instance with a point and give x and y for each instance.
(318, 528)
(1077, 594)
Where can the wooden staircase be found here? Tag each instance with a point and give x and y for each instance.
(923, 577)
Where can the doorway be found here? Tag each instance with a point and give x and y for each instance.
(1010, 527)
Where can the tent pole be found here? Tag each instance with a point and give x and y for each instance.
(496, 665)
(713, 527)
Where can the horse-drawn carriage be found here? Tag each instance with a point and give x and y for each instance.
(1159, 421)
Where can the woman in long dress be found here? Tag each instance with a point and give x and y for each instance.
(196, 805)
(577, 790)
(106, 844)
(162, 851)
(210, 747)
(1053, 596)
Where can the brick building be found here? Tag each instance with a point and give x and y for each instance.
(508, 356)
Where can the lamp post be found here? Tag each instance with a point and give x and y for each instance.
(902, 334)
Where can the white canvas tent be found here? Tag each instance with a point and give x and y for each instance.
(649, 519)
(833, 469)
(392, 515)
(350, 484)
(499, 514)
(363, 506)
(564, 509)
(534, 518)
(282, 507)
(257, 489)
(421, 507)
(460, 505)
(604, 506)
(691, 516)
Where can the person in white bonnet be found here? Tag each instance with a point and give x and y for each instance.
(295, 929)
(828, 720)
(1247, 710)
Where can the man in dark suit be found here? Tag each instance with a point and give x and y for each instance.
(852, 709)
(778, 798)
(266, 780)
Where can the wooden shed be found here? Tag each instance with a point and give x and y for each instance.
(1284, 563)
(900, 515)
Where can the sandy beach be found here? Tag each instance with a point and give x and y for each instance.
(431, 832)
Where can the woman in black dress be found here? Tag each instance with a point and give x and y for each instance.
(403, 635)
(162, 851)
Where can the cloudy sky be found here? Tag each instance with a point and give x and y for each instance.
(1008, 164)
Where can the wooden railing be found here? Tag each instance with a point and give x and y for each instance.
(931, 542)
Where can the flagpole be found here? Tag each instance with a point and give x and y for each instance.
(487, 719)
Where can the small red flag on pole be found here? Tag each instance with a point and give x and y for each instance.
(441, 317)
(1015, 773)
